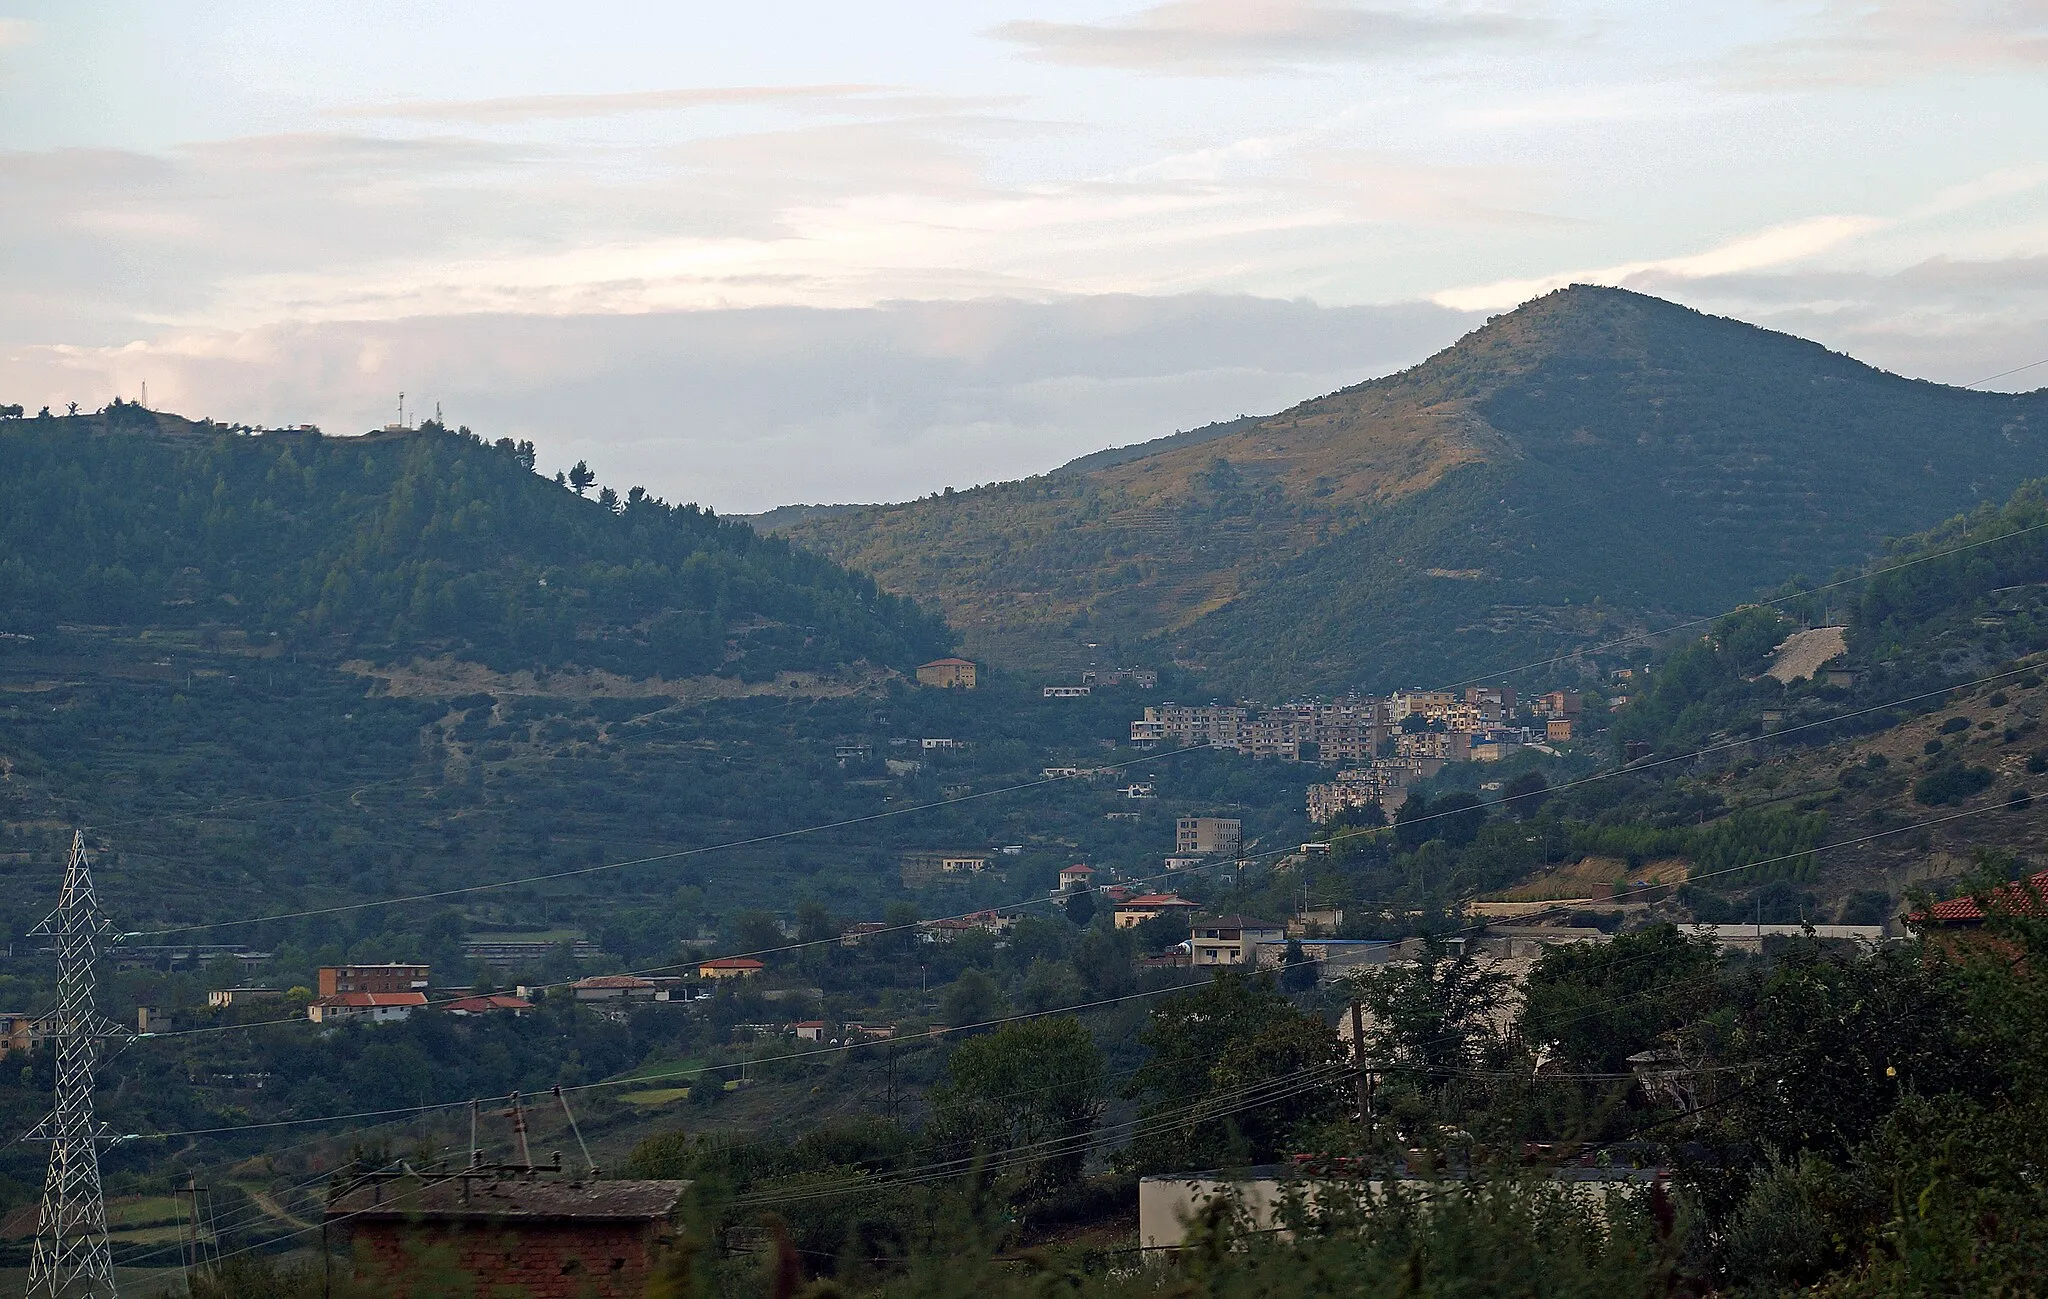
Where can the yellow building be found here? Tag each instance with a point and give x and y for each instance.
(947, 674)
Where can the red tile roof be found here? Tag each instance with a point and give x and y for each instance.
(2023, 897)
(1077, 870)
(948, 663)
(732, 963)
(1157, 900)
(480, 1005)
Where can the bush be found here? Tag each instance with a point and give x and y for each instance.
(1951, 784)
(1955, 724)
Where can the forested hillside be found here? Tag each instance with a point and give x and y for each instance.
(414, 542)
(1591, 458)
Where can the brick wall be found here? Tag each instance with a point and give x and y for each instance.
(534, 1260)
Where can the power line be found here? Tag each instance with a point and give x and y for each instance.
(2002, 373)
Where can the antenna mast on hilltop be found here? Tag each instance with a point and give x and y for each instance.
(72, 1257)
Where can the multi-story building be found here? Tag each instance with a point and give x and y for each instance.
(1208, 836)
(337, 980)
(1220, 725)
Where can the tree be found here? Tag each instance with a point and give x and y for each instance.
(1455, 818)
(581, 477)
(1080, 908)
(1104, 958)
(1524, 795)
(1600, 1003)
(1433, 1015)
(1297, 972)
(973, 998)
(814, 924)
(1235, 1072)
(1028, 1093)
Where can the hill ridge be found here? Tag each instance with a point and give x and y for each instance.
(1588, 401)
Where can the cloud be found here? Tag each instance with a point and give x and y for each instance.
(15, 33)
(1218, 37)
(1942, 318)
(1875, 41)
(1766, 248)
(747, 409)
(522, 108)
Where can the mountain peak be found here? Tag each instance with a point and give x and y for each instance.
(1594, 444)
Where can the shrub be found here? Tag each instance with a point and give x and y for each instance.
(1954, 724)
(1951, 783)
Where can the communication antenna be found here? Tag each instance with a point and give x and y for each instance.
(401, 410)
(72, 1258)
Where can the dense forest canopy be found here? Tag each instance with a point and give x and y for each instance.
(400, 543)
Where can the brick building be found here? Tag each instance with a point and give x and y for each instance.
(487, 1233)
(338, 979)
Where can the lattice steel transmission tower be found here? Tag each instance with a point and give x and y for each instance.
(72, 1258)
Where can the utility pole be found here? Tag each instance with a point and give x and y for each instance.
(1364, 1078)
(72, 1258)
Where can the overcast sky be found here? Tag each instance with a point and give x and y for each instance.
(762, 253)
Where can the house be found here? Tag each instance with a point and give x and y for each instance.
(338, 979)
(1207, 836)
(1558, 728)
(730, 967)
(947, 674)
(1146, 906)
(611, 987)
(922, 868)
(1558, 703)
(940, 742)
(370, 1007)
(855, 934)
(148, 1019)
(1231, 940)
(1140, 789)
(948, 928)
(490, 1004)
(18, 1032)
(1182, 863)
(869, 1032)
(1066, 692)
(809, 1030)
(503, 1230)
(1075, 877)
(222, 998)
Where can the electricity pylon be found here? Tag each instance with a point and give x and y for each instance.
(72, 1258)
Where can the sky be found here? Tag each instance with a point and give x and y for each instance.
(781, 252)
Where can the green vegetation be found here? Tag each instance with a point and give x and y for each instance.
(393, 545)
